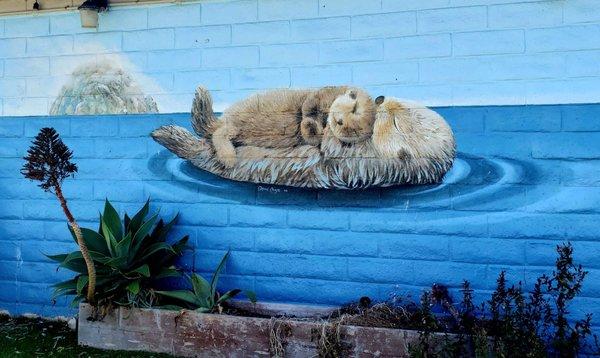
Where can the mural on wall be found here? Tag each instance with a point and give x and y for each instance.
(333, 137)
(102, 88)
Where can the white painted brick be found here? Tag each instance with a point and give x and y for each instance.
(505, 93)
(583, 90)
(149, 40)
(12, 87)
(50, 46)
(97, 42)
(174, 15)
(452, 19)
(159, 82)
(241, 56)
(229, 12)
(488, 42)
(384, 25)
(175, 59)
(27, 67)
(348, 7)
(123, 20)
(582, 37)
(287, 9)
(399, 5)
(260, 78)
(321, 29)
(388, 73)
(418, 47)
(547, 13)
(12, 47)
(289, 54)
(351, 51)
(27, 26)
(261, 32)
(211, 79)
(131, 61)
(321, 76)
(62, 65)
(202, 36)
(581, 11)
(45, 86)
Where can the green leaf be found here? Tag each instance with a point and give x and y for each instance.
(228, 295)
(161, 234)
(126, 221)
(74, 262)
(168, 272)
(142, 232)
(154, 248)
(186, 296)
(143, 270)
(93, 240)
(112, 220)
(81, 282)
(123, 247)
(251, 296)
(215, 277)
(109, 238)
(134, 287)
(138, 218)
(201, 286)
(57, 258)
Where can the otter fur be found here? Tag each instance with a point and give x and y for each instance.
(276, 119)
(409, 144)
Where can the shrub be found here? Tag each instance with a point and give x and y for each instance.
(204, 296)
(129, 258)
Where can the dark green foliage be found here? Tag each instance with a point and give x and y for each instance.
(129, 257)
(204, 297)
(514, 323)
(48, 160)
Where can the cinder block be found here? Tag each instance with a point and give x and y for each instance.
(219, 238)
(261, 32)
(92, 126)
(175, 60)
(304, 54)
(123, 19)
(286, 241)
(343, 243)
(213, 215)
(351, 51)
(202, 36)
(313, 219)
(413, 247)
(67, 24)
(580, 37)
(98, 42)
(488, 42)
(287, 9)
(348, 7)
(211, 79)
(542, 226)
(450, 274)
(506, 198)
(584, 118)
(257, 216)
(174, 15)
(121, 190)
(452, 19)
(50, 46)
(64, 65)
(318, 76)
(229, 12)
(525, 15)
(389, 73)
(563, 199)
(376, 270)
(524, 119)
(27, 67)
(464, 119)
(395, 5)
(566, 146)
(27, 26)
(581, 11)
(13, 47)
(320, 29)
(157, 39)
(11, 209)
(488, 251)
(242, 56)
(582, 63)
(260, 78)
(8, 292)
(384, 25)
(111, 148)
(418, 47)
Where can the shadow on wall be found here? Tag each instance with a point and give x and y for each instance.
(475, 181)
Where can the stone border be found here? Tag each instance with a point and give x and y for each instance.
(192, 334)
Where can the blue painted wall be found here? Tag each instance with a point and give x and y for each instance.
(441, 52)
(526, 179)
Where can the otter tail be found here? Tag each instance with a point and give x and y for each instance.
(203, 116)
(179, 141)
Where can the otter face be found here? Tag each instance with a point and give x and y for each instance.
(351, 116)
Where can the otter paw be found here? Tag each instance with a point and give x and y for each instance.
(227, 157)
(311, 131)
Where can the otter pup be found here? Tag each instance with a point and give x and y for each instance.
(275, 119)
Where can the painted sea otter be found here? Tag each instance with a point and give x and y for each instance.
(407, 144)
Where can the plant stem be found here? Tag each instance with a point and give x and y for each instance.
(89, 263)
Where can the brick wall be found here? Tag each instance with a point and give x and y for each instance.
(442, 52)
(527, 178)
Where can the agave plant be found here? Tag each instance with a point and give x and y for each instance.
(204, 296)
(129, 257)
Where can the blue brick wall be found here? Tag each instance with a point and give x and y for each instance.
(441, 52)
(526, 179)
